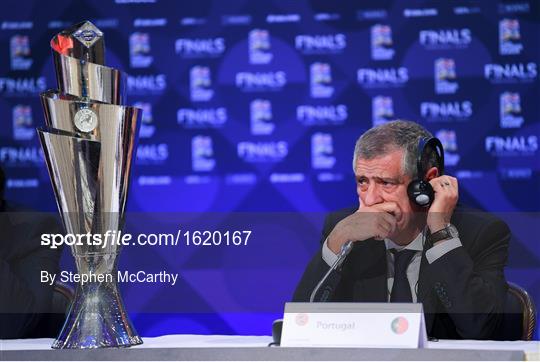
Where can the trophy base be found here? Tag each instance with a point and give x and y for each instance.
(131, 341)
(97, 319)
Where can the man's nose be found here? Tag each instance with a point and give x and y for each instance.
(373, 195)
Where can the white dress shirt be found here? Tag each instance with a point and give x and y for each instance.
(413, 269)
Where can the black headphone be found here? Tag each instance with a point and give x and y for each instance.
(420, 190)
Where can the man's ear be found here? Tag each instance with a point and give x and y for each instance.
(432, 173)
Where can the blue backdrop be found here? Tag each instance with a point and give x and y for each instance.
(252, 106)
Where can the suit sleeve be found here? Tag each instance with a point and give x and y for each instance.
(23, 296)
(315, 271)
(470, 284)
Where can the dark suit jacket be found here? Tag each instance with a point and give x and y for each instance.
(24, 300)
(463, 292)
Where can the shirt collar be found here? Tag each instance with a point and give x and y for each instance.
(417, 244)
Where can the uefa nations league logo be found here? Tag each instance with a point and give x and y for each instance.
(261, 117)
(139, 50)
(19, 51)
(23, 129)
(200, 83)
(322, 151)
(202, 154)
(510, 110)
(259, 47)
(382, 109)
(381, 42)
(321, 80)
(509, 37)
(445, 76)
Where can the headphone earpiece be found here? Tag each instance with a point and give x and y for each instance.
(420, 190)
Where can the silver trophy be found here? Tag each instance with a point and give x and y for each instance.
(88, 143)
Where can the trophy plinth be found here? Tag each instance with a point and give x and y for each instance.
(89, 142)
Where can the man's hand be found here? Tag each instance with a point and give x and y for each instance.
(442, 208)
(377, 221)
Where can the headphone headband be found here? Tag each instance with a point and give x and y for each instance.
(419, 190)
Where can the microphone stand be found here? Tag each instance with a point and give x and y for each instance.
(345, 250)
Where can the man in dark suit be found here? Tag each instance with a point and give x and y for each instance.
(447, 257)
(24, 300)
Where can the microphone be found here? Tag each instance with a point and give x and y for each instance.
(345, 250)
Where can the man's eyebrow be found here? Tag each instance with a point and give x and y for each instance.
(378, 178)
(388, 179)
(397, 178)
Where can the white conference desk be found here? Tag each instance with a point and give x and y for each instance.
(252, 348)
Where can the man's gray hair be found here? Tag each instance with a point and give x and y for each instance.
(389, 137)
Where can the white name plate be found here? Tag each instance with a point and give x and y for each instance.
(366, 325)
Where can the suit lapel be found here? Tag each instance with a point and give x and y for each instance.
(423, 292)
(369, 269)
(372, 289)
(422, 278)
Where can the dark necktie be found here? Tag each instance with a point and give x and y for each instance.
(401, 289)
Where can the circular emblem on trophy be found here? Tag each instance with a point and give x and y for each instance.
(400, 325)
(85, 120)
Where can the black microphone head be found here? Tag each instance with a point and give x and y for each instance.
(277, 327)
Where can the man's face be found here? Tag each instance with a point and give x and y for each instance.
(381, 180)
